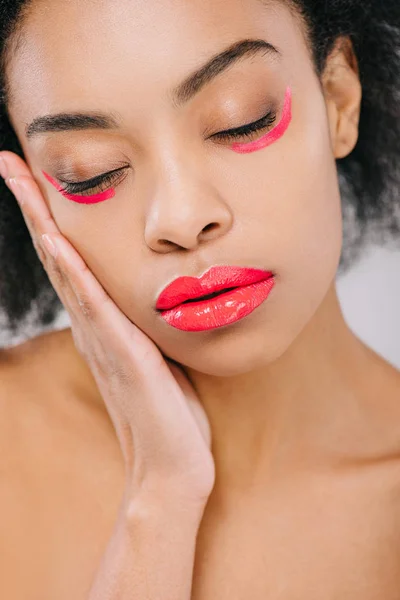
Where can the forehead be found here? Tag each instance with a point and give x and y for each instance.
(72, 51)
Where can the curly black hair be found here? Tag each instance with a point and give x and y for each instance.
(369, 176)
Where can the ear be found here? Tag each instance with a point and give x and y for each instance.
(343, 94)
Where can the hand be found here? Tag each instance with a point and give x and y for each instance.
(161, 426)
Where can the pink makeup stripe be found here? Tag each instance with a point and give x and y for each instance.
(275, 133)
(93, 199)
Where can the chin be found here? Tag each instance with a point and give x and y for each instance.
(232, 350)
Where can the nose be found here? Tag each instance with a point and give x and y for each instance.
(185, 211)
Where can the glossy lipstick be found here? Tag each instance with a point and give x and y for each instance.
(185, 303)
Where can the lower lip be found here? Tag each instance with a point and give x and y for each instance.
(221, 310)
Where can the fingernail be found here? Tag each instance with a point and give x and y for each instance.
(13, 184)
(50, 245)
(3, 168)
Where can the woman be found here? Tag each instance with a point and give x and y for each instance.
(173, 445)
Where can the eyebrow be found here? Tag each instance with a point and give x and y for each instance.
(180, 95)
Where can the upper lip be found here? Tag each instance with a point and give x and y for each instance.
(215, 279)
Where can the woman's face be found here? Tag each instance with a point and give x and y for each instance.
(185, 201)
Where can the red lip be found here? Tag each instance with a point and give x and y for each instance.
(214, 280)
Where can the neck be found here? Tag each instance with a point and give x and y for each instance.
(293, 411)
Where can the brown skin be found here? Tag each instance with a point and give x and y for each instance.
(305, 418)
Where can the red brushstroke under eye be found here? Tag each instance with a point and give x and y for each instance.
(274, 134)
(93, 199)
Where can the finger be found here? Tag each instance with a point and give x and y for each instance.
(20, 180)
(67, 268)
(66, 264)
(32, 204)
(15, 164)
(39, 222)
(110, 324)
(66, 260)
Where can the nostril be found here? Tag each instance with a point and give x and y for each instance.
(209, 226)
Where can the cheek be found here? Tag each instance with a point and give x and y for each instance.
(297, 197)
(307, 230)
(316, 224)
(106, 242)
(291, 213)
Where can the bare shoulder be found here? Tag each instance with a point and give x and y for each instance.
(48, 393)
(380, 406)
(45, 370)
(37, 354)
(61, 471)
(383, 383)
(50, 408)
(27, 374)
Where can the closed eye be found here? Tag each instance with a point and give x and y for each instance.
(249, 129)
(98, 183)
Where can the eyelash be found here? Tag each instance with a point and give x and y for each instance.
(103, 182)
(248, 130)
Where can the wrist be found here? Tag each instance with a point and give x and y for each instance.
(164, 506)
